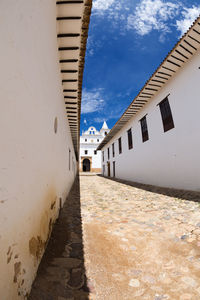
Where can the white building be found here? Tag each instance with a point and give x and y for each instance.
(90, 158)
(42, 58)
(157, 139)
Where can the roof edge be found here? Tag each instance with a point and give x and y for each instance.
(117, 127)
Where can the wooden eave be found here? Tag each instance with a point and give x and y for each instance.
(185, 48)
(73, 19)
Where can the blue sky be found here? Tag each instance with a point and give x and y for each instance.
(127, 41)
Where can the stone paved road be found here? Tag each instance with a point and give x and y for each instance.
(140, 242)
(61, 274)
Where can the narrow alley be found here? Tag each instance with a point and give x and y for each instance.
(140, 242)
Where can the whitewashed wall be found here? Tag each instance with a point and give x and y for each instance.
(90, 143)
(170, 159)
(34, 160)
(96, 158)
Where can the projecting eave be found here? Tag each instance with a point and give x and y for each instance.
(186, 47)
(89, 144)
(73, 19)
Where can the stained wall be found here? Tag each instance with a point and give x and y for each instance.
(36, 170)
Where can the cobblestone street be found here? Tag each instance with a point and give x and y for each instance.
(116, 240)
(140, 242)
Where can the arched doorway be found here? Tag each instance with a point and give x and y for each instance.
(86, 165)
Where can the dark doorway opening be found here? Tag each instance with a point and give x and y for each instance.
(113, 168)
(86, 165)
(108, 169)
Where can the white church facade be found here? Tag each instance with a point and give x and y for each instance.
(90, 158)
(157, 139)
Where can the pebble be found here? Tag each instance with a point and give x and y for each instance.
(190, 258)
(160, 297)
(134, 272)
(189, 281)
(118, 276)
(156, 288)
(185, 297)
(124, 240)
(167, 217)
(139, 293)
(164, 278)
(134, 283)
(184, 237)
(190, 240)
(148, 279)
(167, 280)
(196, 231)
(133, 248)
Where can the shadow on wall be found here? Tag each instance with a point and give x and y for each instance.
(61, 273)
(175, 193)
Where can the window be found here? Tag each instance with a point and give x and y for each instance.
(106, 133)
(113, 150)
(120, 145)
(145, 135)
(69, 159)
(86, 151)
(103, 169)
(95, 152)
(166, 114)
(130, 139)
(97, 140)
(103, 155)
(108, 153)
(85, 140)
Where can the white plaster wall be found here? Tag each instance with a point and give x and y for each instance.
(96, 158)
(34, 162)
(91, 139)
(170, 159)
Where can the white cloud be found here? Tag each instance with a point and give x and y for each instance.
(113, 10)
(102, 4)
(147, 15)
(92, 101)
(99, 120)
(93, 45)
(152, 15)
(189, 15)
